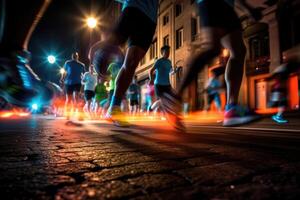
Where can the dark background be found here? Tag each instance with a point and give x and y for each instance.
(61, 31)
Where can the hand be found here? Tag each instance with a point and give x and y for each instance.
(61, 81)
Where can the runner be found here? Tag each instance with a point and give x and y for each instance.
(89, 80)
(100, 97)
(162, 68)
(133, 96)
(72, 81)
(220, 26)
(136, 26)
(19, 85)
(212, 89)
(149, 96)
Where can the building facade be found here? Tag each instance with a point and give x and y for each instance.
(267, 42)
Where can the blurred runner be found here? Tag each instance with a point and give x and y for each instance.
(100, 97)
(89, 81)
(19, 85)
(220, 26)
(212, 89)
(134, 96)
(149, 95)
(136, 26)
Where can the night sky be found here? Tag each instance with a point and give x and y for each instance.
(60, 32)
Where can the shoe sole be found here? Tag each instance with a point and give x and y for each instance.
(237, 121)
(116, 122)
(167, 105)
(278, 122)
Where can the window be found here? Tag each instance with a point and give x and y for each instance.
(193, 28)
(153, 49)
(179, 38)
(178, 9)
(259, 46)
(166, 19)
(166, 40)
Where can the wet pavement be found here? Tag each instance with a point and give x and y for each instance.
(43, 158)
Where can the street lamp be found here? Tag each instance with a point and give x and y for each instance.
(51, 59)
(62, 71)
(91, 22)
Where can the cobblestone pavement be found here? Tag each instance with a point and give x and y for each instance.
(47, 159)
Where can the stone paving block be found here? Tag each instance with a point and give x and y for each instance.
(108, 190)
(133, 170)
(216, 174)
(157, 182)
(111, 160)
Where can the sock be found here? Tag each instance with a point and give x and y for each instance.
(116, 101)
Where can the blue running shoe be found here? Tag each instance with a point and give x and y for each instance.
(236, 115)
(279, 119)
(19, 85)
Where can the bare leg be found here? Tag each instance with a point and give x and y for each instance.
(211, 48)
(235, 66)
(133, 56)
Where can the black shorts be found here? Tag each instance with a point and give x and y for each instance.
(136, 27)
(160, 89)
(88, 94)
(134, 102)
(73, 88)
(218, 14)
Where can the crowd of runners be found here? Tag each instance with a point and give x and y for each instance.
(109, 81)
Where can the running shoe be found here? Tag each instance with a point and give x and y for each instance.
(19, 85)
(171, 105)
(279, 119)
(116, 116)
(236, 115)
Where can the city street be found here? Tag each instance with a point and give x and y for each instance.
(45, 158)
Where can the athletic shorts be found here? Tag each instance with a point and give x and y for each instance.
(278, 98)
(218, 14)
(134, 102)
(214, 97)
(136, 27)
(70, 89)
(88, 94)
(160, 89)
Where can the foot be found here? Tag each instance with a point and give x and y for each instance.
(279, 119)
(237, 115)
(171, 105)
(116, 116)
(19, 85)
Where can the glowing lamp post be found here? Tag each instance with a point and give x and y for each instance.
(91, 22)
(62, 71)
(51, 59)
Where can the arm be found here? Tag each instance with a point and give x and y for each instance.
(83, 79)
(63, 75)
(151, 74)
(173, 70)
